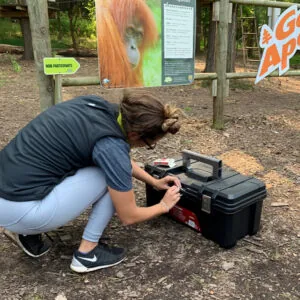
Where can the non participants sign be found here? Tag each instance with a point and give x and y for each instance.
(60, 65)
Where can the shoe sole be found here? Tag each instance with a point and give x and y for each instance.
(84, 269)
(14, 237)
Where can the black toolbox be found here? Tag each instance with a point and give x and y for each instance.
(219, 202)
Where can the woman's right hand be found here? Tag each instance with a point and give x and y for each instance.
(171, 197)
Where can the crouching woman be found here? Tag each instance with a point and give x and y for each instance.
(75, 155)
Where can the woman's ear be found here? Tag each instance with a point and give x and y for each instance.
(133, 136)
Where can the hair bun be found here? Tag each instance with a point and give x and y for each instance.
(171, 123)
(171, 112)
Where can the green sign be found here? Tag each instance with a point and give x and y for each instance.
(60, 65)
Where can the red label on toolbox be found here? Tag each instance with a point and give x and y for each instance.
(185, 216)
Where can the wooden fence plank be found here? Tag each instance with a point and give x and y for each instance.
(265, 3)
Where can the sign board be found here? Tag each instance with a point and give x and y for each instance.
(178, 42)
(280, 44)
(143, 43)
(60, 65)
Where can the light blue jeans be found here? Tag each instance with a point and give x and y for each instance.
(66, 202)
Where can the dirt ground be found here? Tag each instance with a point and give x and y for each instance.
(167, 260)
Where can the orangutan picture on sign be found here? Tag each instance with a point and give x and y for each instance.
(126, 29)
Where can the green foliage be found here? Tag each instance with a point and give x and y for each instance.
(16, 67)
(9, 29)
(80, 19)
(85, 30)
(60, 44)
(60, 25)
(91, 9)
(6, 2)
(261, 14)
(295, 60)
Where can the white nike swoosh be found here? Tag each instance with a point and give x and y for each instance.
(94, 259)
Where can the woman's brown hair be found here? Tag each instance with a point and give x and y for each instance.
(144, 114)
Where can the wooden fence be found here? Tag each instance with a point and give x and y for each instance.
(220, 79)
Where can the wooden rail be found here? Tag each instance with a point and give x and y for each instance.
(254, 74)
(266, 3)
(95, 80)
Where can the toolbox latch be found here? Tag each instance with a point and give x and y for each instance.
(206, 204)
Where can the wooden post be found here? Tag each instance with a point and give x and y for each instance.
(221, 63)
(39, 24)
(58, 89)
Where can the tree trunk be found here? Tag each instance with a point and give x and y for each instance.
(39, 24)
(198, 29)
(60, 33)
(28, 49)
(72, 30)
(211, 47)
(231, 53)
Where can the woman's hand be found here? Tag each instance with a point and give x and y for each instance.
(166, 182)
(171, 197)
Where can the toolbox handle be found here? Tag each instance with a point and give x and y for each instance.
(214, 162)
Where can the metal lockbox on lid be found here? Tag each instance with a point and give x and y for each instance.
(221, 203)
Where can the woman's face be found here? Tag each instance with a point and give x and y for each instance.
(143, 142)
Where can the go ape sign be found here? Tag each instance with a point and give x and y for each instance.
(143, 43)
(281, 44)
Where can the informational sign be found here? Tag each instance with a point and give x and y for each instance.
(60, 65)
(143, 43)
(280, 44)
(178, 42)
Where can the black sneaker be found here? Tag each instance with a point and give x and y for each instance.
(100, 257)
(32, 245)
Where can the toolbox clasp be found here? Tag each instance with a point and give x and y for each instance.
(206, 204)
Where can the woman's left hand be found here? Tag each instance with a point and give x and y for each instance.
(166, 182)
